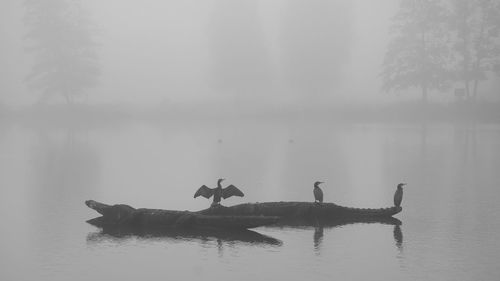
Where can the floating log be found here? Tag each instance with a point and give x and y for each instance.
(302, 210)
(155, 218)
(248, 215)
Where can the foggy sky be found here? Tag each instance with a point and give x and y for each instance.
(224, 51)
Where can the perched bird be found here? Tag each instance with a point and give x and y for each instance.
(398, 195)
(218, 192)
(318, 193)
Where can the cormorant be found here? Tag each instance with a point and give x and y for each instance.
(318, 193)
(398, 195)
(218, 192)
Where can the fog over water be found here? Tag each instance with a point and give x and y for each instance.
(142, 102)
(218, 51)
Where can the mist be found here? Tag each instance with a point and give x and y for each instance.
(309, 117)
(288, 53)
(234, 54)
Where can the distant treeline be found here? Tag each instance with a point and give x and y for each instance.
(88, 116)
(442, 44)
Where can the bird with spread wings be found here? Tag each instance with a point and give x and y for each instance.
(218, 193)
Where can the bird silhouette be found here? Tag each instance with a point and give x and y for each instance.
(398, 195)
(318, 193)
(218, 193)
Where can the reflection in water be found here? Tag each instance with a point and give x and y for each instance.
(220, 249)
(398, 237)
(220, 236)
(326, 222)
(423, 139)
(71, 165)
(466, 141)
(320, 224)
(47, 177)
(65, 168)
(318, 238)
(120, 233)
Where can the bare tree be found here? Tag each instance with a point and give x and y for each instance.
(476, 25)
(60, 36)
(418, 54)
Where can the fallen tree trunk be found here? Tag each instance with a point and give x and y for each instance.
(295, 210)
(155, 218)
(248, 215)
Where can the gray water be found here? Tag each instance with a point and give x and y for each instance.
(450, 218)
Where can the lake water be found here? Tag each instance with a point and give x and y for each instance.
(450, 218)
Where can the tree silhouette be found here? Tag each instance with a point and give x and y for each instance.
(65, 58)
(476, 24)
(418, 54)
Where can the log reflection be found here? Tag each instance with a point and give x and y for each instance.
(238, 236)
(320, 224)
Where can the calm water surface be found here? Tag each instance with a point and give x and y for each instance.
(450, 208)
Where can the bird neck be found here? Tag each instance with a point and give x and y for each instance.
(219, 184)
(316, 186)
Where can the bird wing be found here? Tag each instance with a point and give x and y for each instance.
(204, 191)
(231, 190)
